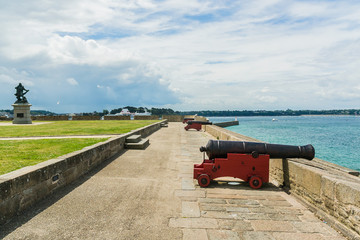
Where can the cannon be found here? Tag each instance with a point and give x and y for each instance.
(196, 125)
(188, 119)
(248, 161)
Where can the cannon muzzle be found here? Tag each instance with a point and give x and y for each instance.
(220, 149)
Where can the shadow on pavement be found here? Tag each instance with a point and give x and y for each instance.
(25, 216)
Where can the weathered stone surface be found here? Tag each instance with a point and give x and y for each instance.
(272, 226)
(190, 209)
(193, 223)
(212, 200)
(185, 193)
(258, 236)
(187, 184)
(222, 235)
(191, 234)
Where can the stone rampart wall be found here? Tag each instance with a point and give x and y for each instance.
(117, 118)
(50, 118)
(173, 118)
(5, 119)
(328, 189)
(151, 117)
(22, 188)
(86, 118)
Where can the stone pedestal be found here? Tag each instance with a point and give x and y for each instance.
(22, 113)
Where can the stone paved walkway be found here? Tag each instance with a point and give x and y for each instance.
(224, 211)
(150, 194)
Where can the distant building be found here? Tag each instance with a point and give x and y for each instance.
(6, 114)
(124, 112)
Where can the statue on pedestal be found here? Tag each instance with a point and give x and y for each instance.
(21, 106)
(20, 92)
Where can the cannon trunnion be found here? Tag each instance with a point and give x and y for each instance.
(248, 161)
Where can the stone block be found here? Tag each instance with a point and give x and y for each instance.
(272, 226)
(212, 207)
(218, 214)
(191, 234)
(299, 236)
(185, 193)
(190, 209)
(187, 184)
(212, 200)
(193, 223)
(258, 236)
(133, 139)
(348, 193)
(222, 235)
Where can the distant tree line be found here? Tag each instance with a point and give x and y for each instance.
(288, 112)
(32, 112)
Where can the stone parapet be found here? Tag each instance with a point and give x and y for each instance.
(117, 117)
(5, 119)
(50, 118)
(331, 191)
(173, 118)
(22, 188)
(86, 118)
(151, 117)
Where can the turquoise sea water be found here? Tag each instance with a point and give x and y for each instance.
(335, 138)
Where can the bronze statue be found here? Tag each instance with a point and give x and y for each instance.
(20, 92)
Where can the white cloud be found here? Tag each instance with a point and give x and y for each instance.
(72, 81)
(210, 54)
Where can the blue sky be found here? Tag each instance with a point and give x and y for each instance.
(79, 55)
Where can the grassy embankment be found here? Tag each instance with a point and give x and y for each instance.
(16, 154)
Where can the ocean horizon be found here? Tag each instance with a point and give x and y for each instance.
(336, 138)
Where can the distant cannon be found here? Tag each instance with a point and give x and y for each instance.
(248, 161)
(196, 125)
(188, 119)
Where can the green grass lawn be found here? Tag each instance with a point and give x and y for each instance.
(17, 154)
(61, 128)
(21, 153)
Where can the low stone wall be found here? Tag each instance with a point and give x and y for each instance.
(151, 117)
(22, 188)
(117, 117)
(331, 191)
(5, 119)
(227, 124)
(173, 118)
(50, 118)
(86, 118)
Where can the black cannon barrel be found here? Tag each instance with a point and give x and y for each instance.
(201, 122)
(220, 149)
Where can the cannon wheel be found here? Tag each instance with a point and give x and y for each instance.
(204, 180)
(255, 182)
